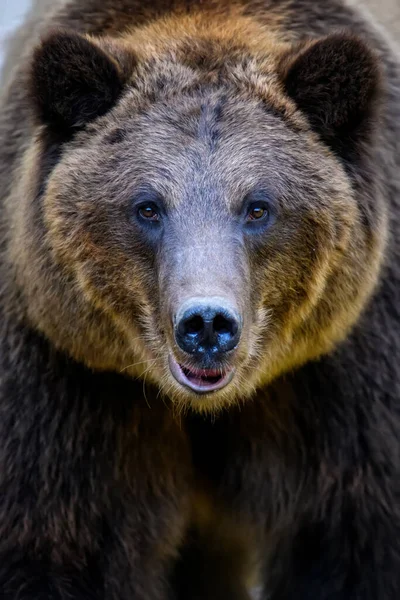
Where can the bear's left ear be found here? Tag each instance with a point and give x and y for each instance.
(335, 81)
(73, 81)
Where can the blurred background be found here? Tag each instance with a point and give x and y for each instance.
(12, 13)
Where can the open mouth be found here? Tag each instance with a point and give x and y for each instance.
(201, 381)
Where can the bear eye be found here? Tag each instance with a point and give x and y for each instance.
(258, 211)
(149, 212)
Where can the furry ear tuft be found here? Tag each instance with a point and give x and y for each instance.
(73, 81)
(335, 82)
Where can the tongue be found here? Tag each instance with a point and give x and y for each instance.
(201, 381)
(203, 378)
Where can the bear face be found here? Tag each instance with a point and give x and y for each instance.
(201, 201)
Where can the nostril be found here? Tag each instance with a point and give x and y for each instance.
(223, 325)
(193, 325)
(207, 328)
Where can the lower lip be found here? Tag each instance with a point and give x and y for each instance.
(196, 383)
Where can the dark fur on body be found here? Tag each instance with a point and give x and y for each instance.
(106, 491)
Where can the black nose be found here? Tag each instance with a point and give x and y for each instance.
(207, 327)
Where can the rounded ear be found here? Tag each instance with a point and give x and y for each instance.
(335, 81)
(72, 81)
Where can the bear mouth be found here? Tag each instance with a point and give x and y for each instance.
(201, 381)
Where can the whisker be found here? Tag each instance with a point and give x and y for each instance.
(144, 386)
(141, 362)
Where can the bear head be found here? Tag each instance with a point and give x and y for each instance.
(200, 205)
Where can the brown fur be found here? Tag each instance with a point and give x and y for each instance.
(250, 69)
(200, 104)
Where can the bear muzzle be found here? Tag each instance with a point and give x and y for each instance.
(207, 330)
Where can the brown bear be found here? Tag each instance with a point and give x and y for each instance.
(200, 308)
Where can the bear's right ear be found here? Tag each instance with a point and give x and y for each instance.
(73, 81)
(335, 81)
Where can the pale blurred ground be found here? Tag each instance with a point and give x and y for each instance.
(386, 12)
(11, 15)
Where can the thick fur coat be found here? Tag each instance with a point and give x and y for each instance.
(117, 481)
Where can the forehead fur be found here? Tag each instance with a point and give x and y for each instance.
(185, 53)
(200, 149)
(233, 33)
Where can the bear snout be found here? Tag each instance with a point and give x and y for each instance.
(207, 328)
